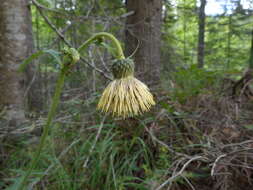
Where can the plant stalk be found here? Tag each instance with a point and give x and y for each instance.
(116, 43)
(51, 114)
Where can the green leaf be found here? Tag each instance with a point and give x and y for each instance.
(53, 53)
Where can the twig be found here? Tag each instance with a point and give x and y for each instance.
(96, 69)
(164, 144)
(185, 178)
(215, 163)
(179, 173)
(48, 9)
(37, 5)
(178, 162)
(64, 30)
(93, 72)
(237, 144)
(103, 62)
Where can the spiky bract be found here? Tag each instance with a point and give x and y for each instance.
(126, 97)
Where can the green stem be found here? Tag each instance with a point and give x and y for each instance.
(120, 54)
(51, 114)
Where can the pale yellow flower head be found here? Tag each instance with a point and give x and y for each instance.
(125, 96)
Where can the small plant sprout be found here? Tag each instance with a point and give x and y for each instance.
(125, 96)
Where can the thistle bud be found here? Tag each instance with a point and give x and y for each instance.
(71, 55)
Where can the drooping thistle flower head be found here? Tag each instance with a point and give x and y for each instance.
(125, 96)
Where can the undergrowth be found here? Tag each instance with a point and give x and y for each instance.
(197, 137)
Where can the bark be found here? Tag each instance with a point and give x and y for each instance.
(15, 46)
(201, 36)
(145, 26)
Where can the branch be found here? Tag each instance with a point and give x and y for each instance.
(179, 173)
(215, 163)
(62, 31)
(38, 6)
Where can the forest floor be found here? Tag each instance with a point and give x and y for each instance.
(197, 137)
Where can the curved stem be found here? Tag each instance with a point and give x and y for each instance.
(120, 54)
(51, 114)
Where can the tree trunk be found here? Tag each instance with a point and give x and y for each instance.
(201, 37)
(33, 77)
(15, 46)
(144, 26)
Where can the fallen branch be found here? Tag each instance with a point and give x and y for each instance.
(179, 173)
(216, 162)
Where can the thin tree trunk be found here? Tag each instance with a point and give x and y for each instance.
(201, 36)
(184, 28)
(14, 48)
(144, 26)
(229, 42)
(33, 77)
